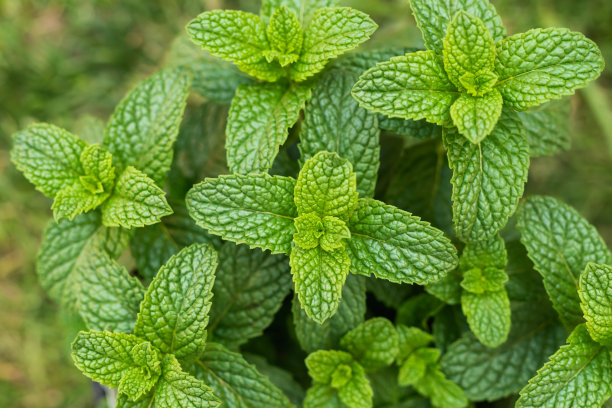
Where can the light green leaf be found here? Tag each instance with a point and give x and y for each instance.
(411, 339)
(334, 122)
(478, 281)
(476, 116)
(596, 302)
(117, 360)
(326, 186)
(488, 315)
(123, 401)
(48, 156)
(236, 382)
(248, 291)
(561, 243)
(357, 392)
(412, 86)
(548, 128)
(414, 368)
(174, 313)
(448, 289)
(176, 388)
(577, 375)
(259, 122)
(543, 64)
(136, 201)
(319, 276)
(394, 245)
(66, 246)
(304, 9)
(322, 396)
(255, 209)
(285, 36)
(488, 178)
(335, 232)
(322, 363)
(442, 392)
(98, 163)
(142, 130)
(434, 17)
(331, 32)
(484, 254)
(109, 298)
(75, 200)
(374, 343)
(238, 37)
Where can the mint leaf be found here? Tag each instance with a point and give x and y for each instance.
(434, 17)
(235, 381)
(124, 402)
(323, 363)
(448, 289)
(117, 360)
(98, 164)
(255, 209)
(144, 126)
(280, 377)
(136, 201)
(75, 200)
(174, 313)
(547, 128)
(562, 381)
(322, 395)
(319, 276)
(248, 291)
(356, 392)
(561, 243)
(488, 315)
(259, 122)
(485, 254)
(543, 64)
(48, 156)
(394, 245)
(488, 178)
(176, 388)
(596, 301)
(66, 246)
(476, 116)
(238, 37)
(412, 86)
(304, 9)
(109, 298)
(331, 32)
(326, 186)
(442, 392)
(285, 36)
(374, 343)
(334, 122)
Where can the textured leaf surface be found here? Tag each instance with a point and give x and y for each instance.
(285, 36)
(596, 301)
(394, 245)
(322, 396)
(475, 117)
(543, 64)
(304, 9)
(136, 201)
(441, 391)
(75, 200)
(561, 243)
(488, 315)
(48, 156)
(334, 122)
(488, 178)
(484, 254)
(357, 392)
(374, 343)
(259, 122)
(331, 32)
(323, 363)
(144, 126)
(433, 17)
(254, 209)
(548, 128)
(235, 381)
(248, 291)
(577, 375)
(412, 86)
(174, 313)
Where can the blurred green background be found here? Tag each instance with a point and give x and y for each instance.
(64, 61)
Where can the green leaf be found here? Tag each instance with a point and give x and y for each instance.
(255, 209)
(285, 36)
(334, 122)
(304, 9)
(280, 377)
(442, 392)
(109, 298)
(596, 302)
(394, 245)
(319, 276)
(577, 375)
(561, 243)
(448, 289)
(98, 163)
(259, 122)
(478, 281)
(66, 246)
(235, 381)
(326, 186)
(75, 200)
(136, 201)
(476, 116)
(547, 128)
(322, 364)
(374, 343)
(144, 126)
(412, 86)
(434, 17)
(484, 254)
(176, 388)
(331, 32)
(248, 291)
(469, 49)
(414, 368)
(322, 396)
(124, 402)
(48, 156)
(543, 64)
(488, 178)
(117, 360)
(411, 339)
(488, 315)
(238, 37)
(174, 313)
(357, 392)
